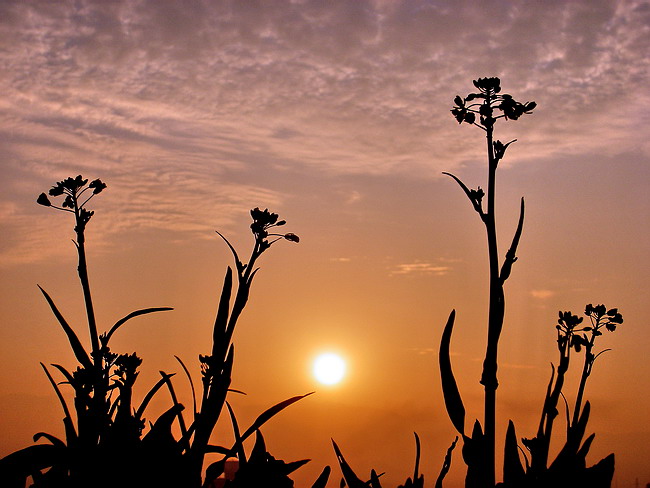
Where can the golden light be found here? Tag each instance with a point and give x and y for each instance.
(329, 368)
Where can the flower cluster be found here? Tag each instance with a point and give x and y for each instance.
(73, 189)
(263, 220)
(599, 316)
(489, 89)
(567, 326)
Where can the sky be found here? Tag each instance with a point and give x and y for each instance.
(336, 116)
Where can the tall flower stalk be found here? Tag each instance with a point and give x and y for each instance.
(482, 110)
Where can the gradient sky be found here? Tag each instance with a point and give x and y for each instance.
(335, 115)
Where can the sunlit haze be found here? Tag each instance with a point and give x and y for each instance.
(335, 115)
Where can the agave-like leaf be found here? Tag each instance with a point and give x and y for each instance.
(321, 481)
(270, 413)
(453, 401)
(513, 471)
(350, 477)
(77, 348)
(119, 323)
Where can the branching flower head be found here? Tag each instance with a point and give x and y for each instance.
(601, 317)
(263, 220)
(488, 99)
(73, 191)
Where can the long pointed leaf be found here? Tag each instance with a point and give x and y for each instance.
(189, 377)
(513, 471)
(70, 432)
(137, 313)
(239, 442)
(150, 394)
(351, 478)
(271, 412)
(511, 255)
(446, 464)
(78, 349)
(172, 392)
(321, 481)
(220, 339)
(417, 458)
(453, 401)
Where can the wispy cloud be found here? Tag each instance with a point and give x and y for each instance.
(542, 294)
(419, 268)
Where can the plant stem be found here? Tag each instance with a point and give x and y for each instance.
(495, 316)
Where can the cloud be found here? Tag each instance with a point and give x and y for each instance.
(420, 268)
(199, 104)
(542, 294)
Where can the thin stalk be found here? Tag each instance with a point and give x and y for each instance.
(495, 316)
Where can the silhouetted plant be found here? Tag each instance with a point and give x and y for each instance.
(106, 446)
(569, 468)
(489, 105)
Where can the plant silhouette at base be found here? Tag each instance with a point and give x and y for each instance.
(104, 443)
(569, 468)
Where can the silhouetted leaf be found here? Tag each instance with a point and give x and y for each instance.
(270, 413)
(513, 471)
(137, 313)
(348, 474)
(453, 401)
(75, 343)
(321, 481)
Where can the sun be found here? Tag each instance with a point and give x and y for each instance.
(329, 368)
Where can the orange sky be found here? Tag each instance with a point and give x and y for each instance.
(335, 115)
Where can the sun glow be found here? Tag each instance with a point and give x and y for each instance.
(329, 368)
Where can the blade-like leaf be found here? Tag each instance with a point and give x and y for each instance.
(53, 439)
(417, 458)
(350, 477)
(513, 471)
(70, 431)
(137, 313)
(79, 351)
(271, 412)
(446, 464)
(238, 447)
(475, 204)
(511, 255)
(220, 338)
(321, 481)
(453, 401)
(189, 377)
(172, 393)
(150, 394)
